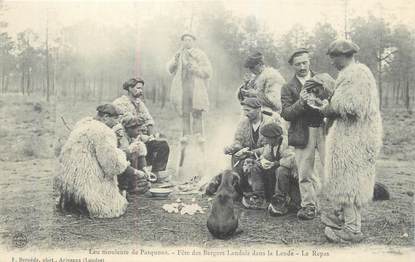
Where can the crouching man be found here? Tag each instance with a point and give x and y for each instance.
(89, 164)
(128, 132)
(278, 159)
(247, 138)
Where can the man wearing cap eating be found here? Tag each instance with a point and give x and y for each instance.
(306, 131)
(353, 143)
(191, 70)
(157, 149)
(130, 141)
(248, 138)
(89, 164)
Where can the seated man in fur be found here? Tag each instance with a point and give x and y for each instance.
(158, 150)
(130, 140)
(89, 165)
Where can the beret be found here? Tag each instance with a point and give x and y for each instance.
(132, 82)
(189, 35)
(342, 47)
(254, 59)
(271, 130)
(251, 102)
(108, 109)
(296, 52)
(129, 120)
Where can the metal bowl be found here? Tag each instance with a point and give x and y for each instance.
(160, 192)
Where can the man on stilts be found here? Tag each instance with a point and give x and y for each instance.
(191, 70)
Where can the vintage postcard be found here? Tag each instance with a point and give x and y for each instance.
(275, 130)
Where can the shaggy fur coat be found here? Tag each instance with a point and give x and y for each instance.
(355, 138)
(269, 84)
(201, 69)
(137, 108)
(89, 164)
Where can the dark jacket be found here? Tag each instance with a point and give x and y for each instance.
(300, 117)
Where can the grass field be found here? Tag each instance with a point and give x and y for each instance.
(31, 135)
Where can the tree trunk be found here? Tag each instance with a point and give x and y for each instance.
(101, 88)
(22, 82)
(6, 85)
(407, 100)
(28, 82)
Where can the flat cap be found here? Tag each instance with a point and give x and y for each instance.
(187, 34)
(108, 109)
(252, 102)
(342, 47)
(271, 130)
(130, 120)
(254, 59)
(296, 52)
(132, 82)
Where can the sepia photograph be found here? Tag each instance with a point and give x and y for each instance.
(211, 130)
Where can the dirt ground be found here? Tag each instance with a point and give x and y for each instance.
(32, 133)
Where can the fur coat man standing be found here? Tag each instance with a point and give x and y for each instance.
(353, 142)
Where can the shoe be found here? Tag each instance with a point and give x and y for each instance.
(253, 202)
(342, 235)
(307, 213)
(278, 206)
(332, 220)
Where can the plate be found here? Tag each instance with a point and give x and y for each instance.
(160, 192)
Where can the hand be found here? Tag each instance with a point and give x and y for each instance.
(266, 164)
(246, 77)
(242, 152)
(304, 95)
(144, 138)
(228, 150)
(318, 104)
(249, 92)
(177, 56)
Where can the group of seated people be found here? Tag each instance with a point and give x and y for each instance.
(109, 156)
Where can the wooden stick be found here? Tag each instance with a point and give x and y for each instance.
(66, 124)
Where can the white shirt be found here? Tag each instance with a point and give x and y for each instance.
(304, 79)
(256, 126)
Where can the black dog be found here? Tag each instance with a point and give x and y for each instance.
(222, 221)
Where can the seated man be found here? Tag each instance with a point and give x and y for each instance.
(278, 160)
(247, 138)
(89, 165)
(157, 149)
(128, 141)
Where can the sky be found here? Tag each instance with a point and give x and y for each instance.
(277, 16)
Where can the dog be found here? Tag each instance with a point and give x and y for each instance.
(222, 221)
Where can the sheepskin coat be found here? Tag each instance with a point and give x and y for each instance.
(269, 84)
(355, 138)
(89, 164)
(191, 73)
(136, 107)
